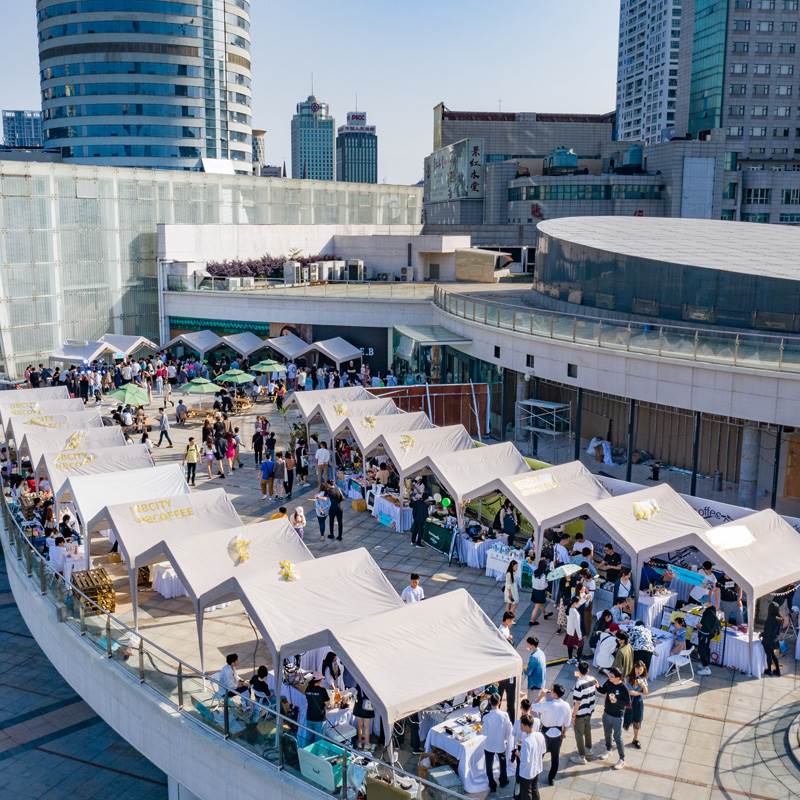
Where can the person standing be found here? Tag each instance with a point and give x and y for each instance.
(623, 658)
(335, 513)
(280, 471)
(769, 638)
(190, 459)
(413, 593)
(539, 592)
(511, 589)
(536, 670)
(299, 521)
(506, 686)
(163, 427)
(317, 698)
(257, 443)
(267, 478)
(322, 505)
(611, 563)
(496, 727)
(708, 628)
(531, 755)
(573, 640)
(288, 481)
(583, 699)
(323, 459)
(641, 641)
(556, 716)
(730, 594)
(419, 512)
(637, 689)
(508, 522)
(617, 698)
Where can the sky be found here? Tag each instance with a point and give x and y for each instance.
(401, 57)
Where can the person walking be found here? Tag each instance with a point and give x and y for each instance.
(617, 698)
(298, 521)
(638, 690)
(556, 716)
(584, 695)
(496, 727)
(419, 513)
(539, 585)
(190, 459)
(573, 640)
(267, 478)
(230, 451)
(511, 589)
(536, 670)
(531, 755)
(163, 427)
(322, 505)
(335, 513)
(257, 443)
(288, 481)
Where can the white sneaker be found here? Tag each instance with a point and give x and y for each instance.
(704, 671)
(601, 756)
(576, 758)
(619, 765)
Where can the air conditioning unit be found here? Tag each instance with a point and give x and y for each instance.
(292, 272)
(355, 270)
(248, 283)
(232, 284)
(406, 273)
(313, 272)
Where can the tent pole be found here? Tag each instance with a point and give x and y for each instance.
(199, 616)
(751, 623)
(134, 596)
(278, 719)
(87, 563)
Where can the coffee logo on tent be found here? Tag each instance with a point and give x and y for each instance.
(75, 441)
(47, 421)
(74, 459)
(23, 408)
(645, 509)
(156, 511)
(535, 484)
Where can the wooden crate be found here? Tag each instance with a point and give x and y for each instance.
(97, 586)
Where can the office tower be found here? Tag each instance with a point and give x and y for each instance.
(647, 68)
(147, 83)
(22, 128)
(313, 145)
(259, 150)
(357, 150)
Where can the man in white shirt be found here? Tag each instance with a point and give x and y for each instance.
(556, 716)
(127, 417)
(323, 460)
(229, 678)
(530, 760)
(413, 593)
(505, 626)
(58, 555)
(127, 373)
(496, 727)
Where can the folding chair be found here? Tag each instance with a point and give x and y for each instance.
(682, 659)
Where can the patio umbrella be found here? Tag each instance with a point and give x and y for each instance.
(235, 376)
(200, 386)
(563, 571)
(130, 393)
(268, 366)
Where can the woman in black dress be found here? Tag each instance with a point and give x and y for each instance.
(769, 638)
(364, 713)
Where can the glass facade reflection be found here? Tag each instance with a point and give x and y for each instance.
(659, 289)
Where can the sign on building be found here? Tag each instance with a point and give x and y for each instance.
(455, 172)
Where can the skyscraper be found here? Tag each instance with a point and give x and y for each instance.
(357, 150)
(147, 83)
(313, 146)
(22, 128)
(259, 150)
(647, 68)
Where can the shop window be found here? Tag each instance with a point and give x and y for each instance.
(572, 370)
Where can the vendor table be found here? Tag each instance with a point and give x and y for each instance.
(387, 513)
(739, 654)
(681, 588)
(659, 664)
(649, 608)
(311, 660)
(166, 581)
(71, 563)
(438, 536)
(473, 554)
(497, 561)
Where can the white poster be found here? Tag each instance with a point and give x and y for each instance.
(455, 172)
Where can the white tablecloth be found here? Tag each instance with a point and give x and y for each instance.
(681, 588)
(659, 664)
(497, 563)
(737, 646)
(399, 518)
(73, 563)
(649, 609)
(311, 660)
(473, 554)
(166, 581)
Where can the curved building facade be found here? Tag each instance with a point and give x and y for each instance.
(698, 271)
(147, 83)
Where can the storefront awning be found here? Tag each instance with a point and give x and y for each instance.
(431, 334)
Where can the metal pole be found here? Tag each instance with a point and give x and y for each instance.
(776, 466)
(226, 722)
(475, 411)
(141, 660)
(42, 578)
(578, 423)
(695, 452)
(631, 436)
(180, 684)
(109, 650)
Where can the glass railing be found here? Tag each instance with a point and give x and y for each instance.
(275, 737)
(354, 290)
(749, 350)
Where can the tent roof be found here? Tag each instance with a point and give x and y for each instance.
(293, 615)
(23, 410)
(59, 465)
(82, 352)
(35, 395)
(128, 344)
(35, 443)
(473, 473)
(553, 495)
(244, 343)
(210, 575)
(289, 345)
(21, 424)
(448, 639)
(339, 415)
(338, 350)
(142, 526)
(666, 520)
(309, 403)
(199, 341)
(90, 494)
(367, 434)
(414, 450)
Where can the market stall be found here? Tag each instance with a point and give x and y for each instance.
(128, 344)
(20, 425)
(57, 466)
(21, 401)
(339, 417)
(34, 445)
(367, 430)
(309, 403)
(31, 411)
(200, 342)
(245, 344)
(338, 350)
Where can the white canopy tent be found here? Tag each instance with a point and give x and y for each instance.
(144, 526)
(128, 345)
(32, 410)
(367, 431)
(448, 639)
(309, 403)
(342, 415)
(647, 522)
(209, 573)
(91, 494)
(289, 345)
(244, 344)
(552, 495)
(35, 444)
(201, 342)
(82, 352)
(42, 395)
(61, 464)
(20, 425)
(338, 350)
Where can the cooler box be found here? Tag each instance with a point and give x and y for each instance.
(445, 777)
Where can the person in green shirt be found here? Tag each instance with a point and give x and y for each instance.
(623, 658)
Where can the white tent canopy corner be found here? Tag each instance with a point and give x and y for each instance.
(34, 410)
(128, 344)
(245, 344)
(42, 395)
(73, 352)
(201, 342)
(35, 444)
(341, 415)
(415, 450)
(338, 350)
(59, 465)
(290, 346)
(309, 403)
(367, 431)
(20, 425)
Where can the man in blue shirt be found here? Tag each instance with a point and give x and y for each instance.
(268, 477)
(536, 670)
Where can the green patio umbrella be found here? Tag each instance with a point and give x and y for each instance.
(235, 376)
(130, 393)
(268, 366)
(200, 386)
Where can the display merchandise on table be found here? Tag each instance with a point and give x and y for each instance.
(663, 641)
(390, 511)
(166, 581)
(353, 486)
(438, 533)
(73, 561)
(472, 552)
(498, 557)
(460, 737)
(650, 607)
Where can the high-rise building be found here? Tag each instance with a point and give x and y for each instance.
(22, 128)
(313, 141)
(147, 83)
(647, 68)
(259, 150)
(357, 150)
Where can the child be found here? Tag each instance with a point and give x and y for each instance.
(299, 521)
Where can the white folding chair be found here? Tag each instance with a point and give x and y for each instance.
(682, 659)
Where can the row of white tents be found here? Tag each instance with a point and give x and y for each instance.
(109, 347)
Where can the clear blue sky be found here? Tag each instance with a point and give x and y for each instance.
(402, 57)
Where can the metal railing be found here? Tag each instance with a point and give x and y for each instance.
(256, 728)
(706, 345)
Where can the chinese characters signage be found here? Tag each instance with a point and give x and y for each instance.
(455, 172)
